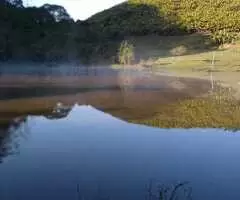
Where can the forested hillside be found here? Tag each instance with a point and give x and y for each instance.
(32, 33)
(39, 34)
(219, 18)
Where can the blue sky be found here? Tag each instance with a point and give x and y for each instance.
(78, 9)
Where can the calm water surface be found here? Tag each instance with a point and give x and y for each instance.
(79, 150)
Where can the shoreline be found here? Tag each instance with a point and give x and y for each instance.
(224, 78)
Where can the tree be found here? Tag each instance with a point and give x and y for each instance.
(126, 53)
(16, 3)
(58, 12)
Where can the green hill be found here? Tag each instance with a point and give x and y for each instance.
(219, 18)
(133, 19)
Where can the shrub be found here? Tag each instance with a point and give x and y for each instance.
(178, 51)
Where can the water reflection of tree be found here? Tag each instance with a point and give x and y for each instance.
(10, 136)
(18, 127)
(218, 109)
(181, 191)
(154, 191)
(60, 111)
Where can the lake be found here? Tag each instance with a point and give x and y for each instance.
(100, 133)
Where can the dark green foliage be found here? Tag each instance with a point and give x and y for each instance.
(32, 33)
(58, 12)
(133, 19)
(15, 3)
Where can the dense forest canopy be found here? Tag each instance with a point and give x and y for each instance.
(32, 33)
(48, 33)
(58, 12)
(16, 3)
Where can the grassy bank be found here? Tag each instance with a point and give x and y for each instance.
(190, 52)
(221, 59)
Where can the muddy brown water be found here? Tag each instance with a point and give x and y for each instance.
(22, 95)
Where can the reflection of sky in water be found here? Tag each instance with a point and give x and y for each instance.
(95, 150)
